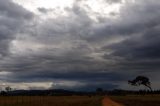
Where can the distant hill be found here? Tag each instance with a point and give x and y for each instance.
(62, 92)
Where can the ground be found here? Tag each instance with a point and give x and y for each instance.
(130, 100)
(134, 100)
(50, 101)
(108, 102)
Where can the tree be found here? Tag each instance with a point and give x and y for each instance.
(99, 90)
(3, 93)
(141, 80)
(8, 88)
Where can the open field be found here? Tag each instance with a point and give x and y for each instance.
(133, 100)
(130, 100)
(50, 101)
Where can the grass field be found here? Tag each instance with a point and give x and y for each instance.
(50, 101)
(133, 100)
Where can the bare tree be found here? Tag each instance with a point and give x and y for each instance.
(141, 80)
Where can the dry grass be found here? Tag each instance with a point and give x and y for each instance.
(133, 100)
(50, 101)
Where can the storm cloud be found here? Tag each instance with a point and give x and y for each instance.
(12, 18)
(80, 46)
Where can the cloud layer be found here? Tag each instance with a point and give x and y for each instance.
(81, 46)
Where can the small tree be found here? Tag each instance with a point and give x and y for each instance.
(141, 80)
(8, 88)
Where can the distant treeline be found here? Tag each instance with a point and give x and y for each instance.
(129, 92)
(61, 92)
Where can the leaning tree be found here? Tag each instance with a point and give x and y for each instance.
(141, 80)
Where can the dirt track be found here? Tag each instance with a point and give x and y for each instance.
(108, 102)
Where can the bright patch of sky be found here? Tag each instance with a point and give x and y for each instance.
(94, 8)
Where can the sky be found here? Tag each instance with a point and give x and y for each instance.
(78, 44)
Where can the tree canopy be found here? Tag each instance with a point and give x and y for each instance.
(141, 80)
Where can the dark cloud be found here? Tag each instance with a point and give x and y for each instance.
(140, 53)
(12, 10)
(44, 10)
(113, 1)
(12, 18)
(144, 47)
(84, 49)
(80, 80)
(133, 18)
